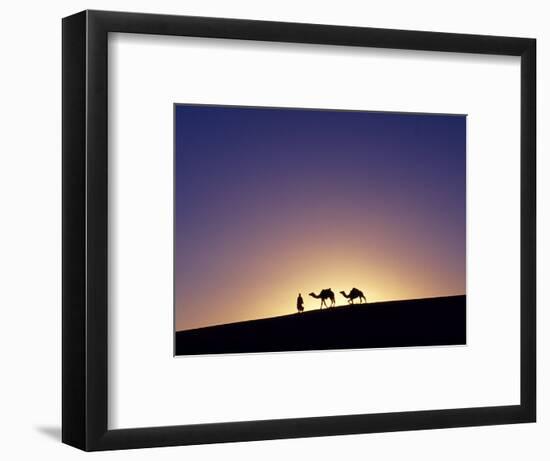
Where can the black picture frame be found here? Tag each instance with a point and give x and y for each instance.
(85, 223)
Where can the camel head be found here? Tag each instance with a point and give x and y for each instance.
(344, 294)
(313, 295)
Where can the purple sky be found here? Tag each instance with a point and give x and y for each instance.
(272, 202)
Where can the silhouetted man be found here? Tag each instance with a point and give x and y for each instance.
(300, 303)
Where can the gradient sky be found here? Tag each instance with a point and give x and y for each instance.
(272, 202)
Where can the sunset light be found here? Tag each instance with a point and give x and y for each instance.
(273, 202)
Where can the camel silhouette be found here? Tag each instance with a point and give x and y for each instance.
(325, 294)
(354, 294)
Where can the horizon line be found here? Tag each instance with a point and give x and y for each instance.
(318, 310)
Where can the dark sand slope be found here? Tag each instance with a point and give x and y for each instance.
(416, 322)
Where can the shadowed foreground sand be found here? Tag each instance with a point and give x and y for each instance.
(416, 322)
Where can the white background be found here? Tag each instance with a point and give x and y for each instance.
(30, 193)
(147, 74)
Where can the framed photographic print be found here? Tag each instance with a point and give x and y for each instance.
(278, 230)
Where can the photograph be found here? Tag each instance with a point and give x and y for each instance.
(308, 229)
(278, 225)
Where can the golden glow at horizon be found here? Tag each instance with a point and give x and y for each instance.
(267, 284)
